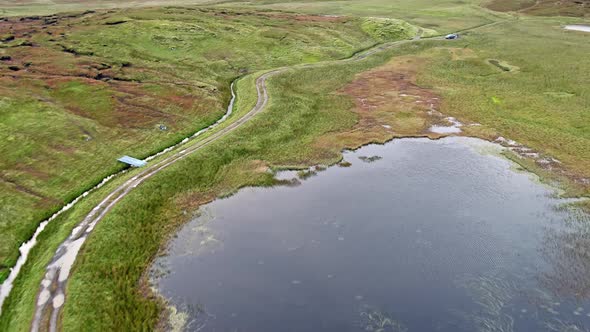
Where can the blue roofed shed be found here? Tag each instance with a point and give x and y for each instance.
(132, 161)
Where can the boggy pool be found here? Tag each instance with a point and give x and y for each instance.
(435, 236)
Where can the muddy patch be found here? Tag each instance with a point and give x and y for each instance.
(389, 103)
(389, 100)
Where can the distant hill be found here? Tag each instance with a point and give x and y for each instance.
(43, 7)
(576, 8)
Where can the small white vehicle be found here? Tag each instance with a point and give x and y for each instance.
(452, 36)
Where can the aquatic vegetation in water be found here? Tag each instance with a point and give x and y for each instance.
(320, 168)
(560, 326)
(502, 323)
(202, 234)
(566, 249)
(377, 321)
(344, 163)
(199, 320)
(493, 294)
(305, 174)
(176, 319)
(370, 159)
(289, 183)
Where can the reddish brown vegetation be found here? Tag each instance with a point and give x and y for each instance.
(307, 18)
(389, 103)
(576, 8)
(37, 61)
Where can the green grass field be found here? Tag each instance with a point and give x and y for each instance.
(444, 15)
(544, 104)
(573, 8)
(48, 7)
(88, 93)
(174, 65)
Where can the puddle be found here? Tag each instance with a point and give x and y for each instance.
(435, 236)
(577, 27)
(454, 128)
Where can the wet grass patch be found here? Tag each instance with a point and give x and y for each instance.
(370, 159)
(306, 174)
(344, 164)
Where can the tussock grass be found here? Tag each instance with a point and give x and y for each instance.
(387, 28)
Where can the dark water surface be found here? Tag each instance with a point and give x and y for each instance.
(435, 236)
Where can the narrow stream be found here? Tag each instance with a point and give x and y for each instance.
(416, 235)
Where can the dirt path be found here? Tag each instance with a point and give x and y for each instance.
(51, 295)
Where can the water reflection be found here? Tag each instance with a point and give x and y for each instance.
(428, 236)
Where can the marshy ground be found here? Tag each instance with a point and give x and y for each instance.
(78, 90)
